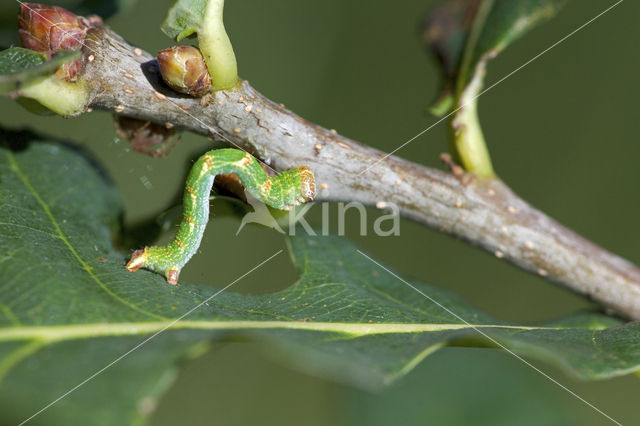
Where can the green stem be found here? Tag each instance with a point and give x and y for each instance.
(61, 97)
(467, 143)
(216, 47)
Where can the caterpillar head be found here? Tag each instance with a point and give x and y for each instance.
(307, 184)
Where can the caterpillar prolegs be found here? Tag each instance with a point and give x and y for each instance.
(287, 189)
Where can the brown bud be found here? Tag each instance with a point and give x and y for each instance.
(48, 29)
(146, 137)
(184, 70)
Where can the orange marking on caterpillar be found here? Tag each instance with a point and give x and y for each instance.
(208, 163)
(172, 276)
(246, 160)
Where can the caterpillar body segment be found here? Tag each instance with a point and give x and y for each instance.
(286, 189)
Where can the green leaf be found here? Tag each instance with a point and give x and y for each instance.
(69, 308)
(465, 34)
(19, 66)
(19, 59)
(184, 19)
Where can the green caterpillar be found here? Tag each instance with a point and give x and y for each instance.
(282, 191)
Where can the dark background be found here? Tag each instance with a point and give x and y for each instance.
(562, 132)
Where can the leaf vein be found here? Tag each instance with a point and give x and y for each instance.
(45, 207)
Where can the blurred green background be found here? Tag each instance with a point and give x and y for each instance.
(561, 133)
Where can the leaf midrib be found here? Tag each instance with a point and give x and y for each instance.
(56, 333)
(87, 268)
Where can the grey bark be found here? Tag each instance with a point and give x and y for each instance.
(483, 212)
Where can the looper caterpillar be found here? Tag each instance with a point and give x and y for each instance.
(287, 189)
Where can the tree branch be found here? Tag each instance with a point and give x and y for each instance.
(483, 212)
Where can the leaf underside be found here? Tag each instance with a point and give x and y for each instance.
(463, 38)
(184, 18)
(69, 307)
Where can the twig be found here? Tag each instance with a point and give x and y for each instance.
(483, 212)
